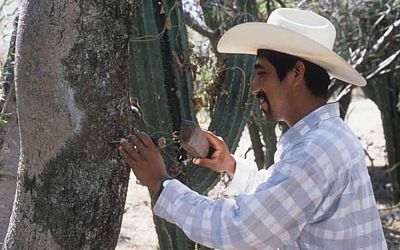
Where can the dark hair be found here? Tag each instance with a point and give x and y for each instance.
(317, 79)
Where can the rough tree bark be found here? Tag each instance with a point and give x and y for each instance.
(9, 140)
(9, 156)
(72, 101)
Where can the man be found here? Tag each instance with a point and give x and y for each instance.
(318, 194)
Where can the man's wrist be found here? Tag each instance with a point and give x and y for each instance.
(232, 166)
(163, 184)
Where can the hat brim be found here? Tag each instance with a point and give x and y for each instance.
(247, 38)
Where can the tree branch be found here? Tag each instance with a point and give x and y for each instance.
(390, 31)
(385, 38)
(201, 29)
(384, 64)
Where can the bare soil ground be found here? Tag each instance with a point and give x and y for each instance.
(138, 230)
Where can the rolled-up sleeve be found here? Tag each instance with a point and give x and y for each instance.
(272, 216)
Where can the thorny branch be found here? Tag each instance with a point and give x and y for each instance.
(366, 53)
(383, 65)
(390, 31)
(201, 29)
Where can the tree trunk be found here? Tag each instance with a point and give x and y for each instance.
(384, 91)
(9, 156)
(72, 87)
(9, 140)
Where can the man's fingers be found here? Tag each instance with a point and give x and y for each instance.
(129, 149)
(145, 139)
(126, 156)
(209, 163)
(137, 142)
(214, 140)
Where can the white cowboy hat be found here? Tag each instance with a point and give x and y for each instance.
(296, 32)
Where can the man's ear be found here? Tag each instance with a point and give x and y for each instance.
(299, 70)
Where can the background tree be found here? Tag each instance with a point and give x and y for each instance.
(9, 139)
(8, 11)
(9, 135)
(72, 98)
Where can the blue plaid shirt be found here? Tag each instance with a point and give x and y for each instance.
(318, 195)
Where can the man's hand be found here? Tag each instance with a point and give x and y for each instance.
(145, 160)
(221, 160)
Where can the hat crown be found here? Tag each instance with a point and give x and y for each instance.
(306, 23)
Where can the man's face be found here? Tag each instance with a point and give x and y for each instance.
(270, 91)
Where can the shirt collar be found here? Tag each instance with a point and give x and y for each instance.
(306, 123)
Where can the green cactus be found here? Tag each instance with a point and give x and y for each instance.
(156, 79)
(263, 150)
(162, 88)
(229, 116)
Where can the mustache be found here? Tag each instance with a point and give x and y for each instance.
(262, 97)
